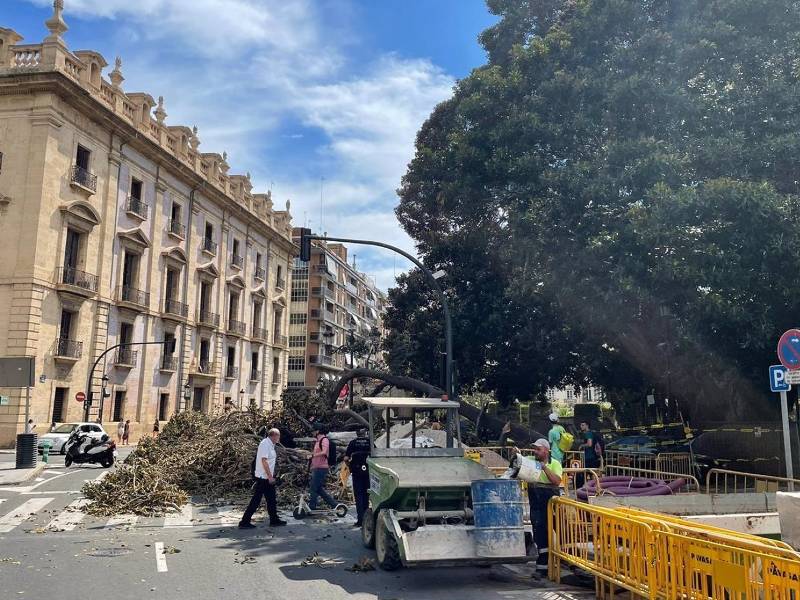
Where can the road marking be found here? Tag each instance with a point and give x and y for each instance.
(161, 558)
(101, 476)
(181, 519)
(70, 516)
(22, 512)
(121, 520)
(227, 515)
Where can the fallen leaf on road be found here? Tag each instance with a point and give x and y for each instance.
(315, 560)
(171, 550)
(362, 566)
(246, 560)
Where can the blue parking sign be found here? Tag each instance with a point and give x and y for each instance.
(777, 379)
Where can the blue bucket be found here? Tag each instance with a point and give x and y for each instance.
(498, 508)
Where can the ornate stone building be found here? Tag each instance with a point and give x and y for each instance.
(116, 228)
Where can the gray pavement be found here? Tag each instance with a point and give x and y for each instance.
(48, 548)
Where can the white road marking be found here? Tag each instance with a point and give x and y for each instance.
(161, 558)
(121, 520)
(181, 519)
(22, 512)
(70, 516)
(228, 516)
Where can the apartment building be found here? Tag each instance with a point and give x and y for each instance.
(331, 303)
(117, 229)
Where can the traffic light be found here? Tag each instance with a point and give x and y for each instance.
(305, 244)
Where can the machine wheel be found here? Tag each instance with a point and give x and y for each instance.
(298, 513)
(107, 462)
(386, 545)
(340, 510)
(368, 529)
(67, 461)
(63, 448)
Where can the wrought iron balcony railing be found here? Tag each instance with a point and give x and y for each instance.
(67, 348)
(77, 278)
(83, 178)
(137, 206)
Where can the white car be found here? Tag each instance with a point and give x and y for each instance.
(59, 436)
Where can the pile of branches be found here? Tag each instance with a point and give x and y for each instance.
(208, 457)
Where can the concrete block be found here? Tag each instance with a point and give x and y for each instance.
(789, 514)
(695, 504)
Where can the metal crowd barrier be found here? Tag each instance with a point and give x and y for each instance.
(723, 481)
(659, 557)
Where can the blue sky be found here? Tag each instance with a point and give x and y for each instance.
(309, 96)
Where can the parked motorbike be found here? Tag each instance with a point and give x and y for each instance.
(83, 449)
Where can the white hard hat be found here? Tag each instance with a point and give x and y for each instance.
(553, 417)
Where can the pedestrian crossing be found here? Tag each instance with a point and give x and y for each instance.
(56, 514)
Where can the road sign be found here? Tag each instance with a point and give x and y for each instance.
(80, 396)
(777, 379)
(3, 400)
(793, 377)
(789, 349)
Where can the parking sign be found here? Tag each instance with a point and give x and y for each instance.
(777, 379)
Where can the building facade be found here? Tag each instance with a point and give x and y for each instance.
(117, 229)
(331, 304)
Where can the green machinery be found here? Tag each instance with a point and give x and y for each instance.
(421, 510)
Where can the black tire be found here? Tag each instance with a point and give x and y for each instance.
(107, 462)
(299, 513)
(67, 461)
(368, 529)
(63, 450)
(340, 510)
(386, 547)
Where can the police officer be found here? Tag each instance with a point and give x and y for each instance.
(356, 458)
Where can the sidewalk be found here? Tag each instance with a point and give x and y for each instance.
(11, 476)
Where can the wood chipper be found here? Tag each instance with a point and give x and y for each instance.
(428, 504)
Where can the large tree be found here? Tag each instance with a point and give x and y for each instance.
(614, 198)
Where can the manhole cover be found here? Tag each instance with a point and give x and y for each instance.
(110, 552)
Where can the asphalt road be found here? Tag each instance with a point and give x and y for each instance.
(48, 549)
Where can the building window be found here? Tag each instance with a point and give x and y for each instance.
(299, 290)
(233, 307)
(58, 404)
(163, 405)
(136, 188)
(296, 384)
(276, 369)
(119, 404)
(297, 363)
(82, 157)
(297, 341)
(298, 319)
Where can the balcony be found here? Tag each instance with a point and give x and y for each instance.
(280, 284)
(320, 314)
(69, 279)
(259, 333)
(320, 337)
(236, 327)
(323, 292)
(209, 246)
(136, 207)
(280, 340)
(255, 375)
(173, 308)
(260, 273)
(82, 179)
(231, 372)
(67, 350)
(205, 367)
(237, 261)
(176, 228)
(208, 318)
(133, 298)
(321, 269)
(169, 363)
(126, 358)
(320, 359)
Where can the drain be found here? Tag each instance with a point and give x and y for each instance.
(106, 552)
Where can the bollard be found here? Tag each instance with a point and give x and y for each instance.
(45, 452)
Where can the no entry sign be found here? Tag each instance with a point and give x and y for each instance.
(80, 396)
(789, 349)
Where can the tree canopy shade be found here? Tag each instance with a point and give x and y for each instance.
(614, 199)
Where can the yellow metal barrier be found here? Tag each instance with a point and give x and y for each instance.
(692, 485)
(723, 481)
(660, 557)
(569, 480)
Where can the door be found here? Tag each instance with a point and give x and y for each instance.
(71, 250)
(119, 402)
(129, 270)
(171, 287)
(58, 404)
(66, 325)
(197, 399)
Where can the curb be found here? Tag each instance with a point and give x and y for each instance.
(35, 472)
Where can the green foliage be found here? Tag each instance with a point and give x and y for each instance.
(614, 199)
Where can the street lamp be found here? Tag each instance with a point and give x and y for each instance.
(241, 397)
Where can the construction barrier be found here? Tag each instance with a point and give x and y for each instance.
(665, 558)
(692, 484)
(723, 481)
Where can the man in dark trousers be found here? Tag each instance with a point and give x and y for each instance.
(356, 458)
(264, 474)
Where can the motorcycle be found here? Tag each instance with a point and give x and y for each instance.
(79, 450)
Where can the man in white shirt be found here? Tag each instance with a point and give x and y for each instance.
(264, 474)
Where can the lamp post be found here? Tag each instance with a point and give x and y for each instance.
(241, 397)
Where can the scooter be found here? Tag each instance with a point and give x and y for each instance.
(102, 451)
(303, 510)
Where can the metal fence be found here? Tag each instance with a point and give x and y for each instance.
(723, 481)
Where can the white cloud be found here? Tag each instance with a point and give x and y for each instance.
(238, 69)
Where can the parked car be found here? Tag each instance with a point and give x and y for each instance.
(59, 436)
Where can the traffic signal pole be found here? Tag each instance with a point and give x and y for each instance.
(305, 254)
